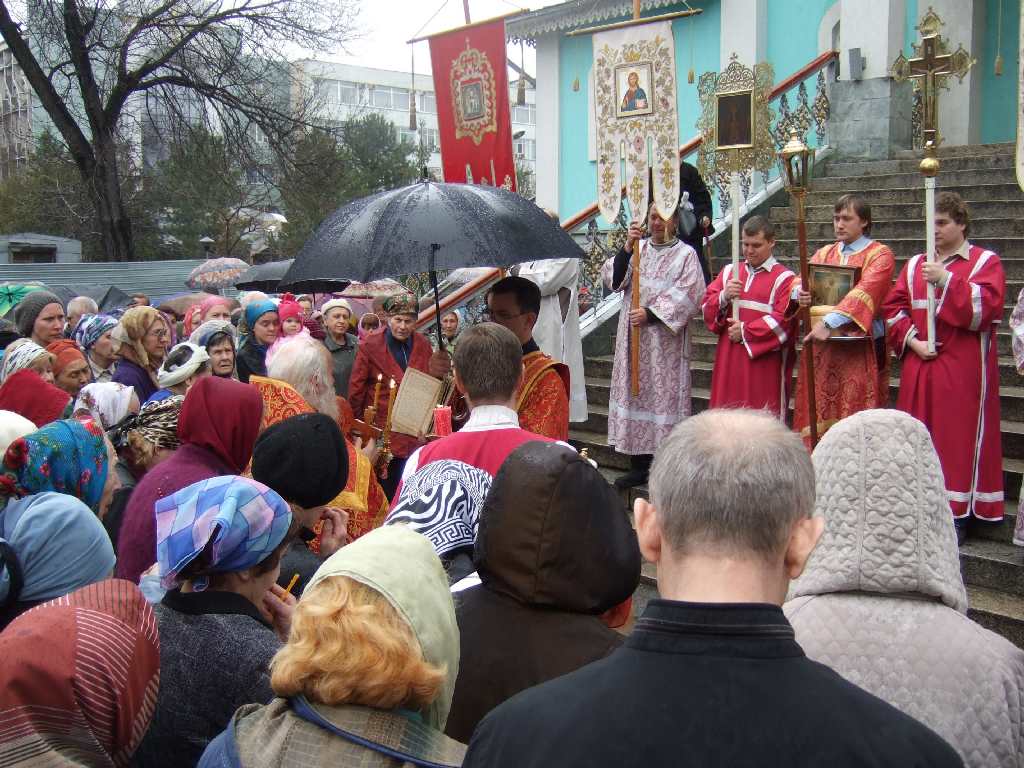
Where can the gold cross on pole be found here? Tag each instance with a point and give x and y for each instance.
(931, 65)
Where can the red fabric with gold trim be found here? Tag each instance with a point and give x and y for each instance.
(543, 398)
(471, 85)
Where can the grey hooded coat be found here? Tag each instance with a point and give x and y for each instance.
(882, 601)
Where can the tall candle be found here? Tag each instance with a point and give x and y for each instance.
(376, 391)
(391, 404)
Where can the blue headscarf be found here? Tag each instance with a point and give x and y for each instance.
(245, 520)
(64, 456)
(56, 542)
(91, 327)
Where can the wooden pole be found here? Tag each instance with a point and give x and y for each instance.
(805, 314)
(634, 330)
(465, 9)
(929, 168)
(636, 9)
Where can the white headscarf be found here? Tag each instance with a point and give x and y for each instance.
(107, 403)
(12, 426)
(18, 355)
(168, 377)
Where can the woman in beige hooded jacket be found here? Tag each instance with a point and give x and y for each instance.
(882, 600)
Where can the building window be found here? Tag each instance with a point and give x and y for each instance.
(428, 103)
(404, 134)
(399, 98)
(526, 114)
(525, 148)
(430, 138)
(349, 92)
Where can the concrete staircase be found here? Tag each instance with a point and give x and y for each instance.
(984, 176)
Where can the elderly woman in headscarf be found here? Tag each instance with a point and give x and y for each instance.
(106, 404)
(882, 599)
(217, 337)
(262, 321)
(451, 327)
(141, 338)
(92, 334)
(210, 308)
(184, 365)
(26, 354)
(141, 441)
(220, 543)
(367, 674)
(41, 402)
(88, 699)
(70, 369)
(219, 422)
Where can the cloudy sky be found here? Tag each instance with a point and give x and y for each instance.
(388, 24)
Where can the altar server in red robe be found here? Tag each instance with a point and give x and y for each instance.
(955, 390)
(755, 355)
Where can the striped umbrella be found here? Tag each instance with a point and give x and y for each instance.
(216, 273)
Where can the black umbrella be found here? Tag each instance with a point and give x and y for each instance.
(425, 227)
(263, 277)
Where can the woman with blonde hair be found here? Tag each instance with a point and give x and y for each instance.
(141, 338)
(367, 675)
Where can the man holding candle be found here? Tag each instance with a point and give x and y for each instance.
(384, 357)
(955, 389)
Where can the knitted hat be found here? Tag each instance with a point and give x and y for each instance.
(335, 304)
(64, 353)
(289, 308)
(27, 310)
(303, 458)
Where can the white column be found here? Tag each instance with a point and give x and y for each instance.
(960, 106)
(744, 31)
(876, 27)
(548, 83)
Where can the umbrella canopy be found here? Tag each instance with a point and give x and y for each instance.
(107, 297)
(12, 293)
(263, 277)
(177, 305)
(426, 227)
(216, 273)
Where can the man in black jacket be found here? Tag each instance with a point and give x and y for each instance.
(700, 198)
(712, 674)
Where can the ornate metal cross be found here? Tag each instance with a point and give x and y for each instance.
(931, 65)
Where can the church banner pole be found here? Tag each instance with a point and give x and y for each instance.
(634, 330)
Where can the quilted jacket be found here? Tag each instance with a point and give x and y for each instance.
(882, 600)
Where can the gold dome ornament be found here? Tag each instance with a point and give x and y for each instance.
(929, 167)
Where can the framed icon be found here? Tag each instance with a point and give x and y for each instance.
(734, 126)
(634, 89)
(472, 94)
(831, 283)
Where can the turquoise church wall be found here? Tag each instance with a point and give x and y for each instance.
(999, 94)
(793, 33)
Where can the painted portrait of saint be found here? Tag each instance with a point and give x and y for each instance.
(633, 90)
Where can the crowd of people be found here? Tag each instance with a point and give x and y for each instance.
(198, 524)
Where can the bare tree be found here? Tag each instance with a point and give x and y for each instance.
(102, 70)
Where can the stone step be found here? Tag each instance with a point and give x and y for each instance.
(946, 180)
(912, 211)
(596, 441)
(910, 165)
(959, 150)
(993, 565)
(973, 194)
(982, 229)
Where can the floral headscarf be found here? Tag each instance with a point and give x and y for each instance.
(20, 355)
(157, 422)
(106, 403)
(132, 329)
(64, 456)
(91, 327)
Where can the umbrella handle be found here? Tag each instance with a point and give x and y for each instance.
(434, 248)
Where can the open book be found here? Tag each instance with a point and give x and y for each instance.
(414, 404)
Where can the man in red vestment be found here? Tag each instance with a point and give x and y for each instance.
(542, 401)
(755, 355)
(851, 363)
(390, 353)
(954, 390)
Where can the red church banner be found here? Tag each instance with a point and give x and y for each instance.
(471, 84)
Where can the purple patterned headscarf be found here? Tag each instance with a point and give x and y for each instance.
(245, 520)
(90, 328)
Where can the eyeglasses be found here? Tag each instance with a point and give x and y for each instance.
(159, 334)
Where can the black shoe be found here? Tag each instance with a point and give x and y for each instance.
(631, 479)
(961, 532)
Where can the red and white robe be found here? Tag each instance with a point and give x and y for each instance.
(757, 371)
(956, 395)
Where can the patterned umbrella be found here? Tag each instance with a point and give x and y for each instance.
(216, 273)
